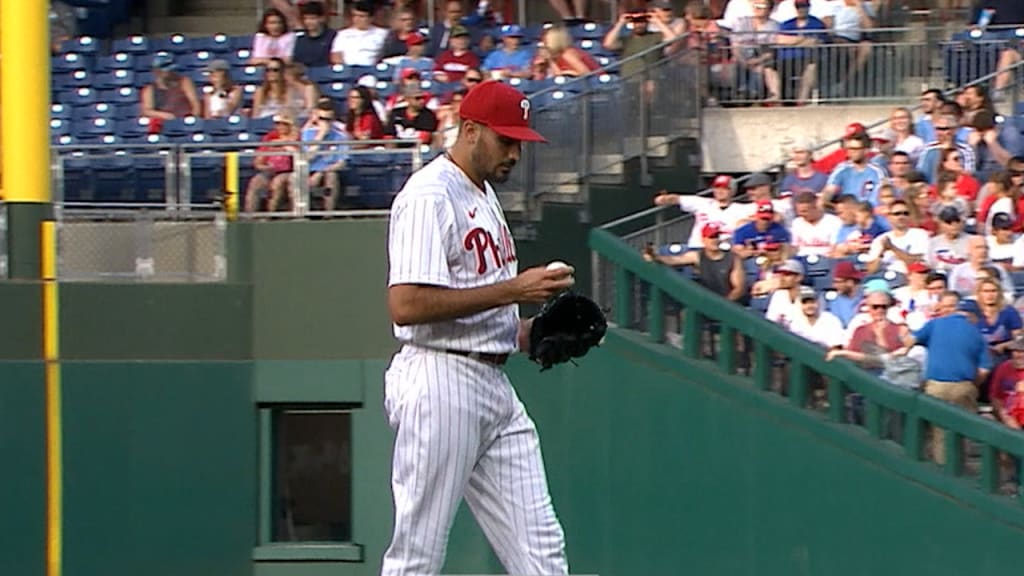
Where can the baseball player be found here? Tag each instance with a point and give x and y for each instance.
(453, 292)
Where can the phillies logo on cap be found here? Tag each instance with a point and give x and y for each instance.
(525, 105)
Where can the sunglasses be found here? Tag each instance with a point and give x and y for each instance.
(879, 306)
(954, 158)
(274, 69)
(1016, 172)
(473, 80)
(900, 213)
(854, 147)
(943, 128)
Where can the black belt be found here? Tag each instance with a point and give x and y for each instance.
(496, 359)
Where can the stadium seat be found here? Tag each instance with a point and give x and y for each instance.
(226, 126)
(93, 111)
(92, 127)
(143, 78)
(261, 126)
(218, 44)
(240, 42)
(198, 76)
(523, 85)
(336, 73)
(113, 80)
(79, 97)
(69, 63)
(60, 111)
(122, 95)
(132, 45)
(118, 61)
(124, 112)
(207, 177)
(182, 127)
(589, 31)
(238, 58)
(134, 127)
(175, 44)
(375, 178)
(247, 75)
(59, 127)
(77, 79)
(80, 45)
(603, 82)
(1018, 282)
(551, 99)
(594, 48)
(196, 61)
(114, 176)
(336, 90)
(75, 183)
(384, 71)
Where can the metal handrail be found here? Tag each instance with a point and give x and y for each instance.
(778, 164)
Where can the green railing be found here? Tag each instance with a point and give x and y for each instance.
(648, 297)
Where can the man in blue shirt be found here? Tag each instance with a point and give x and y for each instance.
(762, 235)
(798, 60)
(844, 301)
(957, 359)
(326, 161)
(856, 176)
(510, 60)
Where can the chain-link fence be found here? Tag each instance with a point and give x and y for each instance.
(141, 245)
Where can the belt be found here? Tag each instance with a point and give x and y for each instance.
(496, 359)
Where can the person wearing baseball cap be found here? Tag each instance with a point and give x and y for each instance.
(1006, 387)
(1001, 245)
(784, 304)
(762, 235)
(854, 130)
(845, 299)
(719, 209)
(817, 325)
(171, 95)
(802, 177)
(222, 97)
(511, 60)
(716, 269)
(452, 64)
(414, 59)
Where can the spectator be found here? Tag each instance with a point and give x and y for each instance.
(403, 27)
(360, 44)
(866, 227)
(932, 100)
(571, 13)
(313, 43)
(817, 325)
(452, 64)
(171, 95)
(274, 96)
(302, 92)
(963, 131)
(565, 59)
(963, 278)
(901, 172)
(632, 35)
(876, 330)
(948, 198)
(363, 123)
(1002, 197)
(802, 177)
(919, 205)
(273, 40)
(929, 162)
(784, 307)
(440, 33)
(845, 300)
(902, 245)
(856, 177)
(273, 171)
(512, 60)
(753, 39)
(414, 58)
(828, 163)
(448, 118)
(904, 139)
(994, 145)
(1005, 391)
(786, 10)
(719, 209)
(949, 248)
(411, 80)
(414, 121)
(957, 359)
(849, 22)
(1001, 240)
(663, 15)
(705, 51)
(63, 25)
(951, 173)
(758, 186)
(974, 99)
(998, 321)
(761, 235)
(291, 8)
(221, 97)
(915, 302)
(325, 160)
(886, 197)
(718, 270)
(369, 81)
(814, 231)
(798, 59)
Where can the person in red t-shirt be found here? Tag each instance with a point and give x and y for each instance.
(363, 122)
(952, 162)
(1005, 197)
(273, 170)
(826, 164)
(452, 64)
(1006, 387)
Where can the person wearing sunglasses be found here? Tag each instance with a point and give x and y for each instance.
(325, 161)
(946, 127)
(899, 247)
(871, 329)
(856, 176)
(949, 248)
(271, 98)
(413, 120)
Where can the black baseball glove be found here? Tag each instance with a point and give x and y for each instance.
(567, 327)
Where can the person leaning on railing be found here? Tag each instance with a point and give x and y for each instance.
(718, 270)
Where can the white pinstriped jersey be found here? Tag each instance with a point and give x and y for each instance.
(445, 231)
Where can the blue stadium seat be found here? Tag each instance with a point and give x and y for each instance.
(261, 126)
(196, 61)
(60, 111)
(239, 138)
(240, 42)
(70, 62)
(238, 58)
(114, 177)
(207, 177)
(815, 266)
(138, 127)
(113, 80)
(93, 111)
(217, 44)
(92, 127)
(375, 177)
(336, 73)
(59, 127)
(182, 127)
(77, 79)
(247, 74)
(124, 111)
(1018, 282)
(175, 44)
(594, 48)
(589, 31)
(336, 90)
(118, 61)
(81, 45)
(523, 85)
(198, 76)
(226, 126)
(550, 99)
(132, 45)
(77, 182)
(603, 82)
(143, 78)
(358, 72)
(384, 71)
(122, 95)
(759, 304)
(79, 97)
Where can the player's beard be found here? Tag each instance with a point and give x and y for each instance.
(500, 175)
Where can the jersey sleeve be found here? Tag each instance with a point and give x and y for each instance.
(418, 241)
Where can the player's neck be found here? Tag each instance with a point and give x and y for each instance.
(458, 157)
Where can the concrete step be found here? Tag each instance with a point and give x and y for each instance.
(231, 24)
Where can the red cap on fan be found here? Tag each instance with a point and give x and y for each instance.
(854, 129)
(711, 230)
(501, 108)
(721, 181)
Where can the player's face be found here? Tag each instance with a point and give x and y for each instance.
(495, 155)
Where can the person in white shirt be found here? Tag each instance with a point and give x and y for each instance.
(964, 277)
(817, 325)
(719, 209)
(786, 10)
(814, 231)
(915, 302)
(1017, 264)
(900, 246)
(361, 43)
(1002, 248)
(784, 305)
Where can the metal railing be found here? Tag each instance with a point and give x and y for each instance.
(661, 306)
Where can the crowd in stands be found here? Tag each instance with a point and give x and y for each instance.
(907, 240)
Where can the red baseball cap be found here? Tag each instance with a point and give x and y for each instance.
(411, 73)
(765, 210)
(919, 267)
(853, 129)
(721, 181)
(845, 270)
(711, 230)
(414, 38)
(501, 108)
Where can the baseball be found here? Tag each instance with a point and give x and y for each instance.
(558, 264)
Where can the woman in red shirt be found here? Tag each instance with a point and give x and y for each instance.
(363, 122)
(1004, 197)
(566, 59)
(966, 186)
(919, 205)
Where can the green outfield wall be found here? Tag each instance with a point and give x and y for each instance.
(657, 463)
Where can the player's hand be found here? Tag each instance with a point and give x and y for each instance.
(663, 198)
(539, 284)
